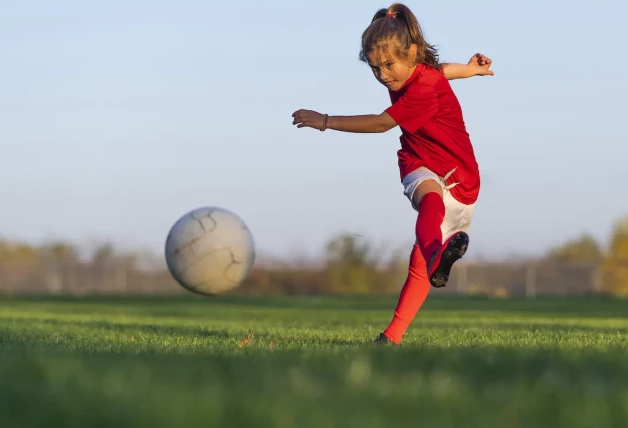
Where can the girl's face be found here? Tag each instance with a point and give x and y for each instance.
(389, 70)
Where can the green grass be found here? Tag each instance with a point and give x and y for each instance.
(465, 362)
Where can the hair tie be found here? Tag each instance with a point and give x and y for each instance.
(391, 15)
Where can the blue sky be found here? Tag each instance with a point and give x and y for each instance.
(117, 117)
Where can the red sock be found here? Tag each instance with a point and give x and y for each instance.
(413, 294)
(428, 233)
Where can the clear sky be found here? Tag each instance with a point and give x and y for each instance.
(117, 117)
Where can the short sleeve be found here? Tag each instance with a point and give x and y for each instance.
(414, 108)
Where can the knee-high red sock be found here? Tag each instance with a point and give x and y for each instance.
(413, 294)
(428, 233)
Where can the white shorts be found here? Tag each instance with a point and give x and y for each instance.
(457, 215)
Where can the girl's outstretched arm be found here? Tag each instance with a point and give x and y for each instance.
(369, 123)
(479, 65)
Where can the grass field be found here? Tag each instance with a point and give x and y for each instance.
(466, 362)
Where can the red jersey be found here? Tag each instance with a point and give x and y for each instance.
(433, 132)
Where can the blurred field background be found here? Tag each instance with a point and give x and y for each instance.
(350, 265)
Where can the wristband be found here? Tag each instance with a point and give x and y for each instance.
(324, 123)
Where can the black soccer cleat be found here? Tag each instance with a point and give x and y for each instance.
(383, 340)
(441, 262)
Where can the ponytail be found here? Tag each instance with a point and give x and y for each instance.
(398, 24)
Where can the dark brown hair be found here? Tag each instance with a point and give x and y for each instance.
(396, 29)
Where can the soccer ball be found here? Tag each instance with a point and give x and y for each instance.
(210, 251)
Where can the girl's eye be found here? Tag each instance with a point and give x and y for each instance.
(388, 64)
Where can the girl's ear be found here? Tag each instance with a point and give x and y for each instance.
(412, 52)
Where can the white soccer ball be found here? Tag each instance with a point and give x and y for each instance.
(210, 251)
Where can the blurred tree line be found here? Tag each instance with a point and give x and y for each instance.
(352, 265)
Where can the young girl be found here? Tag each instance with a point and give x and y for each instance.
(438, 169)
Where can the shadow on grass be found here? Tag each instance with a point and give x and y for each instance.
(478, 363)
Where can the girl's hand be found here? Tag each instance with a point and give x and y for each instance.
(480, 65)
(308, 118)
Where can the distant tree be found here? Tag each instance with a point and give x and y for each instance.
(614, 270)
(582, 250)
(345, 249)
(350, 264)
(17, 252)
(61, 252)
(103, 255)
